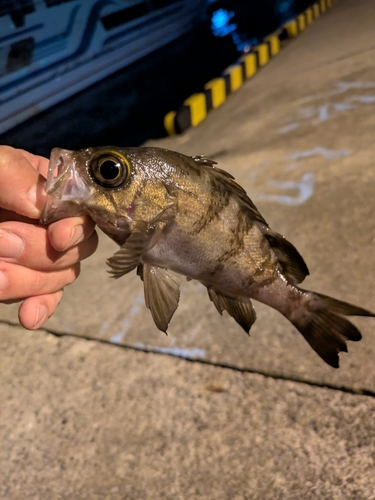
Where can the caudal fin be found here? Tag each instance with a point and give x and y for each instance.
(321, 321)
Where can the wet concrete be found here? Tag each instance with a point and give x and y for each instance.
(259, 417)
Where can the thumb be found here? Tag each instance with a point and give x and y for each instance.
(21, 187)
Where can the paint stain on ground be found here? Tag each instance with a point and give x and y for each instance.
(180, 352)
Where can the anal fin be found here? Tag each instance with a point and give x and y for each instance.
(241, 309)
(162, 294)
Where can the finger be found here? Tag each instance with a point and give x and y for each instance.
(38, 162)
(35, 311)
(28, 245)
(21, 187)
(17, 282)
(7, 215)
(69, 232)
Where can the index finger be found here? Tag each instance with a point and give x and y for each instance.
(21, 186)
(38, 162)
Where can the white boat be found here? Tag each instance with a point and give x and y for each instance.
(51, 49)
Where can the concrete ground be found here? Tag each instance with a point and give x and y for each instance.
(87, 413)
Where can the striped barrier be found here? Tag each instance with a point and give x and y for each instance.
(195, 109)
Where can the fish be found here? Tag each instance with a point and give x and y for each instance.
(176, 214)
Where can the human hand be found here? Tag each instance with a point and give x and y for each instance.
(36, 263)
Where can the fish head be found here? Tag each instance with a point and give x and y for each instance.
(92, 181)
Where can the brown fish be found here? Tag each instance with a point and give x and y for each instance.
(169, 211)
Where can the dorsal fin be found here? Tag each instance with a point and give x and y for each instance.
(293, 267)
(234, 188)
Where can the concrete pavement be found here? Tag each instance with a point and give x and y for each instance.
(85, 419)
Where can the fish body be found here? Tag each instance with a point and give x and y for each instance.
(172, 212)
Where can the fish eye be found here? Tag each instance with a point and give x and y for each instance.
(109, 169)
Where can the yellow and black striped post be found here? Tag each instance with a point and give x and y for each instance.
(274, 44)
(215, 92)
(194, 109)
(262, 52)
(316, 10)
(292, 28)
(309, 16)
(249, 65)
(169, 123)
(233, 77)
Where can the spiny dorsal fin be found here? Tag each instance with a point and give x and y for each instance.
(241, 309)
(227, 179)
(162, 294)
(293, 267)
(203, 160)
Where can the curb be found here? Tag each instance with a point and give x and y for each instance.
(196, 107)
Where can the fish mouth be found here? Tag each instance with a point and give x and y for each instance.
(66, 189)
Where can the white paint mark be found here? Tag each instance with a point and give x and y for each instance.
(104, 327)
(345, 86)
(323, 113)
(181, 352)
(328, 154)
(119, 336)
(136, 304)
(288, 128)
(343, 106)
(367, 99)
(308, 112)
(305, 187)
(342, 87)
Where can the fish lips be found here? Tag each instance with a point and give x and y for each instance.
(66, 189)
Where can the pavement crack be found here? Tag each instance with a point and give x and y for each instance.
(227, 366)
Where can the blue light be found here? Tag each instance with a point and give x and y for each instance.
(220, 25)
(220, 22)
(284, 6)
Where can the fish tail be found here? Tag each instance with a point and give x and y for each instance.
(321, 320)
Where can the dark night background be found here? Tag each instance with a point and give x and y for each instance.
(128, 107)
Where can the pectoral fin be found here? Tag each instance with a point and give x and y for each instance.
(128, 257)
(162, 294)
(241, 309)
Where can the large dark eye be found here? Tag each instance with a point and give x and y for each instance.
(109, 169)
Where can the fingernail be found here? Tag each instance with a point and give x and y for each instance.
(76, 236)
(3, 281)
(41, 316)
(11, 245)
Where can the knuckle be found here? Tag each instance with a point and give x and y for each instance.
(39, 283)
